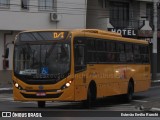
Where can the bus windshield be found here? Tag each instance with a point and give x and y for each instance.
(42, 60)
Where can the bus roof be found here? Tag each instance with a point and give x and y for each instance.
(102, 32)
(95, 33)
(109, 35)
(45, 30)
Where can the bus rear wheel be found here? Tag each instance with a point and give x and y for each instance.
(129, 95)
(41, 104)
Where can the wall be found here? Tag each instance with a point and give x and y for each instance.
(72, 14)
(98, 16)
(95, 12)
(5, 75)
(9, 38)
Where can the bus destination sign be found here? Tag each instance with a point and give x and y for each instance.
(58, 35)
(42, 36)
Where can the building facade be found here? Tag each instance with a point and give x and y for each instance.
(19, 15)
(131, 18)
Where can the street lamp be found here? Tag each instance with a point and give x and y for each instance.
(154, 52)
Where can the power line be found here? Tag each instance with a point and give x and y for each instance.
(72, 8)
(80, 10)
(65, 8)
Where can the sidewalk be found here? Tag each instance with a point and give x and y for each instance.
(155, 83)
(7, 87)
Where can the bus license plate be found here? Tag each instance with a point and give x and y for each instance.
(41, 94)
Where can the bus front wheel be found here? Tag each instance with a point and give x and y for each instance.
(91, 95)
(88, 103)
(41, 104)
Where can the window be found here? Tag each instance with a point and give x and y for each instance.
(141, 53)
(129, 53)
(144, 54)
(25, 4)
(111, 52)
(91, 57)
(4, 3)
(91, 44)
(119, 14)
(136, 52)
(100, 3)
(79, 58)
(100, 45)
(79, 54)
(103, 3)
(111, 46)
(149, 12)
(100, 51)
(46, 4)
(120, 49)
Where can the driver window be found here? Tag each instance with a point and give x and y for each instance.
(79, 58)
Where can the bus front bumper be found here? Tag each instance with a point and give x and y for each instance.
(59, 95)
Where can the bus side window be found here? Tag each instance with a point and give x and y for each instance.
(137, 57)
(91, 51)
(144, 54)
(79, 58)
(111, 52)
(129, 52)
(121, 50)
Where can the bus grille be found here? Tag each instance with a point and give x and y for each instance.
(42, 97)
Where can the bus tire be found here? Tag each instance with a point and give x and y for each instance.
(130, 92)
(91, 95)
(41, 104)
(88, 103)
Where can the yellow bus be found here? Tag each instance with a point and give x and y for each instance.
(78, 65)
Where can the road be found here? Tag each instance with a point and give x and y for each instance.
(144, 101)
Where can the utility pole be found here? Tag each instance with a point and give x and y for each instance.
(154, 52)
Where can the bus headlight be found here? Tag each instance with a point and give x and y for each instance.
(16, 85)
(66, 85)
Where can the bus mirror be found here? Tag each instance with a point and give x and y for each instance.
(6, 53)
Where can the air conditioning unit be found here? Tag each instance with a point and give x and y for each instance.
(55, 17)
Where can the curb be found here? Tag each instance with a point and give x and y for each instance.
(155, 110)
(6, 90)
(155, 83)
